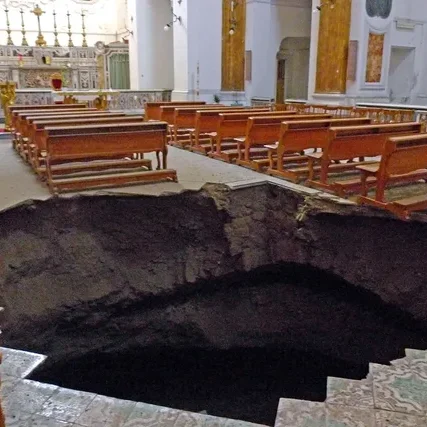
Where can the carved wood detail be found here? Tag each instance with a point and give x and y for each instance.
(332, 48)
(233, 47)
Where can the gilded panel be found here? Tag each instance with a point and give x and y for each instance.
(332, 48)
(233, 45)
(374, 63)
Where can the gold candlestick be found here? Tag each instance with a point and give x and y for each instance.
(70, 41)
(55, 32)
(84, 43)
(9, 38)
(24, 40)
(40, 39)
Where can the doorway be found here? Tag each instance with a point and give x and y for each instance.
(402, 79)
(293, 61)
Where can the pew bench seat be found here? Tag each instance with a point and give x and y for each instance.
(346, 187)
(108, 180)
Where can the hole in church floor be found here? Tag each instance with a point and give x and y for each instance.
(233, 348)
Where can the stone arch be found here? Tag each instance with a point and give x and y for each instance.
(293, 67)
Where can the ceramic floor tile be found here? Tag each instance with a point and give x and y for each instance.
(299, 413)
(345, 416)
(27, 396)
(20, 363)
(8, 383)
(66, 405)
(146, 415)
(395, 419)
(106, 412)
(399, 391)
(345, 392)
(33, 420)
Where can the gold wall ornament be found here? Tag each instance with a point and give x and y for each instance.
(8, 97)
(84, 43)
(70, 41)
(55, 30)
(8, 30)
(233, 45)
(40, 39)
(332, 47)
(24, 40)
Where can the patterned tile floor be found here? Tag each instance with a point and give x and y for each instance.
(390, 396)
(29, 403)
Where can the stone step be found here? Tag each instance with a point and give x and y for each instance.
(300, 413)
(348, 416)
(417, 361)
(354, 393)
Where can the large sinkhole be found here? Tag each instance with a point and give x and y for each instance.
(232, 347)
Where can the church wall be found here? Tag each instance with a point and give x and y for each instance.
(267, 25)
(150, 47)
(99, 24)
(197, 50)
(404, 31)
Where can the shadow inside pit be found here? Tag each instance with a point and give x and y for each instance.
(246, 383)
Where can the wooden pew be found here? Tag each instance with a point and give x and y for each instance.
(233, 126)
(298, 136)
(167, 114)
(15, 113)
(185, 121)
(251, 151)
(348, 143)
(20, 107)
(403, 160)
(152, 109)
(91, 142)
(37, 148)
(206, 124)
(23, 126)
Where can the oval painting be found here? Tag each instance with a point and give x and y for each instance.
(379, 8)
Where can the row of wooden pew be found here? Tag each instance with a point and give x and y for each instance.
(312, 148)
(72, 147)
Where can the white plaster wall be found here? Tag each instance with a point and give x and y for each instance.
(259, 39)
(100, 25)
(197, 42)
(150, 47)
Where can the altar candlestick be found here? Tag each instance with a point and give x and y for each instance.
(9, 38)
(84, 43)
(40, 39)
(24, 40)
(55, 31)
(70, 41)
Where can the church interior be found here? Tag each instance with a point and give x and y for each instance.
(212, 213)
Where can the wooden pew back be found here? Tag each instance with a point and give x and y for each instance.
(23, 126)
(36, 134)
(153, 111)
(302, 135)
(364, 141)
(403, 155)
(104, 140)
(16, 113)
(264, 130)
(186, 117)
(167, 113)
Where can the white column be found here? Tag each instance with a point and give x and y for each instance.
(197, 43)
(150, 47)
(260, 40)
